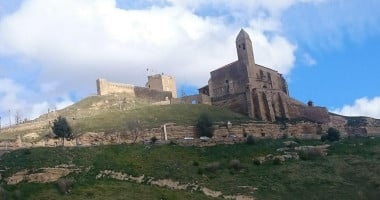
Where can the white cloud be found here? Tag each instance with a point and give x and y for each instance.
(308, 60)
(76, 41)
(14, 99)
(362, 107)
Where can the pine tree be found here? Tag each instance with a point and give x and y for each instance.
(62, 129)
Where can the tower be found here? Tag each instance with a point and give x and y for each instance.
(162, 82)
(245, 55)
(244, 48)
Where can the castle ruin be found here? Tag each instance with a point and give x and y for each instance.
(158, 88)
(242, 86)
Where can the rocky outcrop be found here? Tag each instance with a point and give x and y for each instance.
(170, 184)
(43, 175)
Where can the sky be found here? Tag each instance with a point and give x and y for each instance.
(52, 51)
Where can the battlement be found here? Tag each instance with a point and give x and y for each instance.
(105, 87)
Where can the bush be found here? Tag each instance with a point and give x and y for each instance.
(212, 167)
(332, 135)
(62, 129)
(251, 140)
(235, 164)
(195, 163)
(65, 185)
(256, 162)
(277, 161)
(311, 154)
(153, 139)
(204, 126)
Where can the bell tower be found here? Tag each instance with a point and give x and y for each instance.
(245, 54)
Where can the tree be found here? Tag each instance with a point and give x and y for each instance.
(204, 126)
(332, 135)
(62, 129)
(135, 127)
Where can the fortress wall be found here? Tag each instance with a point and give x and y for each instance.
(104, 87)
(313, 113)
(235, 102)
(152, 95)
(192, 99)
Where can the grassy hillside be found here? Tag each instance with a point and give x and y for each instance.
(350, 171)
(112, 112)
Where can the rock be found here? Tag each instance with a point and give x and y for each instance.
(282, 149)
(281, 158)
(259, 160)
(46, 175)
(290, 144)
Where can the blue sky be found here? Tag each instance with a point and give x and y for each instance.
(51, 52)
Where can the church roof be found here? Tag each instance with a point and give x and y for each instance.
(242, 35)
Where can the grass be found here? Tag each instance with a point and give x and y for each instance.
(350, 171)
(110, 113)
(183, 114)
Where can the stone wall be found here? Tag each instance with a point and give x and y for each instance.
(192, 99)
(228, 80)
(104, 87)
(234, 102)
(314, 113)
(162, 83)
(222, 134)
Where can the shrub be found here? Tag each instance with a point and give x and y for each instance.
(65, 185)
(332, 135)
(277, 161)
(212, 167)
(62, 129)
(153, 139)
(235, 164)
(204, 126)
(312, 153)
(256, 162)
(251, 140)
(195, 163)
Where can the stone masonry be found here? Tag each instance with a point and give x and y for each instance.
(158, 88)
(255, 90)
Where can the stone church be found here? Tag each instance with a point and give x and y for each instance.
(255, 90)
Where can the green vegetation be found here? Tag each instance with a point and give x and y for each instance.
(251, 140)
(332, 135)
(349, 171)
(181, 114)
(110, 113)
(62, 129)
(204, 126)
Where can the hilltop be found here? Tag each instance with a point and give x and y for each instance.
(110, 113)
